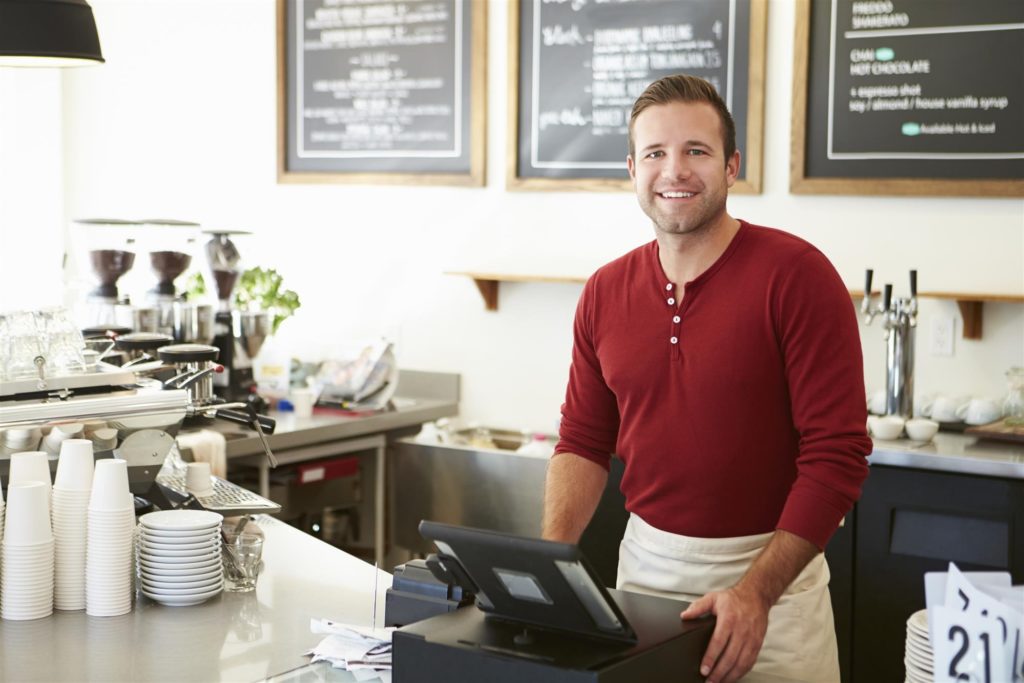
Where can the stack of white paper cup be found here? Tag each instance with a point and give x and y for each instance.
(111, 526)
(27, 555)
(60, 433)
(29, 467)
(71, 492)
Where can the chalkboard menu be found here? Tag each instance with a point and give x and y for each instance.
(382, 91)
(578, 66)
(909, 97)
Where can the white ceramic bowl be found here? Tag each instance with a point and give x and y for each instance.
(886, 428)
(922, 430)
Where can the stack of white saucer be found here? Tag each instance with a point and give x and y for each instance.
(27, 554)
(111, 526)
(179, 556)
(918, 658)
(71, 492)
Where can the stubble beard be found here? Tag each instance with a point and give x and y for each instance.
(700, 219)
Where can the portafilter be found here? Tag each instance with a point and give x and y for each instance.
(196, 364)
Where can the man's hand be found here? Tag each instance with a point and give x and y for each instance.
(739, 632)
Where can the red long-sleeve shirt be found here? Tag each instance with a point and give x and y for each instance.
(739, 411)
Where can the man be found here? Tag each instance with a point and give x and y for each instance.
(722, 363)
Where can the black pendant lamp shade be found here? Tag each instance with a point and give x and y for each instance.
(48, 33)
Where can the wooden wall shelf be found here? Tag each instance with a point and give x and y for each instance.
(969, 303)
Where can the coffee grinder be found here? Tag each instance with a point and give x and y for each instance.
(171, 245)
(108, 247)
(238, 334)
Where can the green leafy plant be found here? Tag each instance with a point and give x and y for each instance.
(257, 289)
(261, 289)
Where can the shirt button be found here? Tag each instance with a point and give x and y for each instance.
(671, 301)
(676, 319)
(674, 340)
(668, 287)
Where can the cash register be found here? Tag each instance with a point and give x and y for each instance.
(542, 615)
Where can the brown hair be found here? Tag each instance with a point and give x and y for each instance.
(685, 88)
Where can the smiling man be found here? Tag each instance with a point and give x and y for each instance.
(722, 363)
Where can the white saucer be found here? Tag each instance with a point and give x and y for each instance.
(190, 588)
(181, 520)
(181, 600)
(205, 537)
(180, 567)
(161, 553)
(178, 533)
(171, 580)
(164, 577)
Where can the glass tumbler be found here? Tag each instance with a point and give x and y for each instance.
(241, 558)
(1013, 406)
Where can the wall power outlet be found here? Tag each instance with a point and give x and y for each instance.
(943, 331)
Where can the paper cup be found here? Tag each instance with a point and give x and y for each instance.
(75, 466)
(197, 478)
(27, 521)
(110, 485)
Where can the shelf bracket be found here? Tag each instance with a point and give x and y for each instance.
(489, 291)
(971, 312)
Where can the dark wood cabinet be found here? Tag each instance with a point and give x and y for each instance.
(909, 522)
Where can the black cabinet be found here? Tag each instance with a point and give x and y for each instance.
(909, 522)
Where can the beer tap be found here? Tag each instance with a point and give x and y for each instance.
(899, 320)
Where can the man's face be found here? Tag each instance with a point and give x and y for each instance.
(679, 171)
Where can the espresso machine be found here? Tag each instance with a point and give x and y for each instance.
(899, 319)
(128, 413)
(107, 246)
(239, 335)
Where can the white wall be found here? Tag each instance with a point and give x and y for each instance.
(181, 123)
(31, 188)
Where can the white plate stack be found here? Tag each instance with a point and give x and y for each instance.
(70, 504)
(918, 658)
(27, 555)
(179, 556)
(111, 527)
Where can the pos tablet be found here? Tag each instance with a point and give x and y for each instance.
(530, 581)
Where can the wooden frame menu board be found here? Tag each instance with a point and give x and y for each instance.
(908, 97)
(386, 92)
(576, 67)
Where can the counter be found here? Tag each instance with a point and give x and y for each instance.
(420, 397)
(233, 637)
(951, 452)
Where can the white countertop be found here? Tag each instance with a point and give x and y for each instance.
(233, 637)
(951, 452)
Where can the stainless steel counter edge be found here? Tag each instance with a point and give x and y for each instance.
(297, 432)
(956, 453)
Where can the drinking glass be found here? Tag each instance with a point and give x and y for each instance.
(242, 562)
(1013, 406)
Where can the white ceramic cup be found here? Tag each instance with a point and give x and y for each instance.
(27, 521)
(943, 409)
(979, 411)
(302, 399)
(197, 478)
(887, 428)
(876, 402)
(75, 465)
(51, 444)
(110, 485)
(921, 430)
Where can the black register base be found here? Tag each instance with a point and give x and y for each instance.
(467, 646)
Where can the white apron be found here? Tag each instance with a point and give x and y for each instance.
(801, 639)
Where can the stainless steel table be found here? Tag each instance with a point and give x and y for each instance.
(233, 637)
